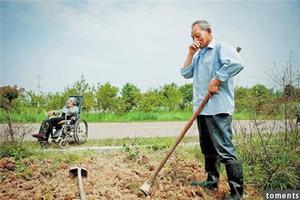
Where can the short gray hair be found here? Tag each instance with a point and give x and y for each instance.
(203, 24)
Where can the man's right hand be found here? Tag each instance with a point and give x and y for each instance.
(193, 48)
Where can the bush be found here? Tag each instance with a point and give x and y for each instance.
(18, 151)
(270, 163)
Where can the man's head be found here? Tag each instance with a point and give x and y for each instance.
(201, 32)
(71, 102)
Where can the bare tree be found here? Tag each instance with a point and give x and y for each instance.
(12, 132)
(274, 130)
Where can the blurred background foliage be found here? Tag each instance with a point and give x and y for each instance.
(106, 102)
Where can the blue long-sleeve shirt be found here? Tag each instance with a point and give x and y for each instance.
(216, 61)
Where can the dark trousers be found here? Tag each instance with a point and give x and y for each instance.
(215, 134)
(48, 124)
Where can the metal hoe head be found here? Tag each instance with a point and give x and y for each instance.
(145, 187)
(74, 171)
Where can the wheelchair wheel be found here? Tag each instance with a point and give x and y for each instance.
(44, 144)
(81, 131)
(63, 143)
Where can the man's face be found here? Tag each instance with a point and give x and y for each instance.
(202, 36)
(70, 103)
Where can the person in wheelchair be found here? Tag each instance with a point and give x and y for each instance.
(70, 109)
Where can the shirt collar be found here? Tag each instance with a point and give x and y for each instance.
(212, 44)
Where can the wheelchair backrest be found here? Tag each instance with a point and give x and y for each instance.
(79, 100)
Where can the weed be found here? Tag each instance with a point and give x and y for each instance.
(189, 153)
(132, 149)
(272, 165)
(18, 151)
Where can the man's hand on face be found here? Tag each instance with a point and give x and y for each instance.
(193, 48)
(213, 86)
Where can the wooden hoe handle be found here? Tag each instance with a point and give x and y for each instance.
(179, 138)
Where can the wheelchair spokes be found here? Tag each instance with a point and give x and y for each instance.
(81, 131)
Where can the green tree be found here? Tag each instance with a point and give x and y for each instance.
(291, 91)
(242, 103)
(130, 97)
(172, 96)
(151, 101)
(107, 97)
(82, 88)
(35, 100)
(55, 101)
(253, 99)
(186, 91)
(260, 95)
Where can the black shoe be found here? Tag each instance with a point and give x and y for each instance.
(234, 170)
(212, 167)
(39, 136)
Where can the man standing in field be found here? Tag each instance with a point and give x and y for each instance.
(212, 64)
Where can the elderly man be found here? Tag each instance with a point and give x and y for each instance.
(47, 125)
(212, 64)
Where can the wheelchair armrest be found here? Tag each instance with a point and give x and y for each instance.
(71, 115)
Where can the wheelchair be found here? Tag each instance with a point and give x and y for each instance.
(70, 130)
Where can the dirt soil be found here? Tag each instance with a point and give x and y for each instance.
(110, 176)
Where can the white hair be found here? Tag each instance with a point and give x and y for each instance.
(203, 24)
(74, 100)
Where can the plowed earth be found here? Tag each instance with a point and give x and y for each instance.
(110, 176)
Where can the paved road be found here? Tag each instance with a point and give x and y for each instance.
(159, 129)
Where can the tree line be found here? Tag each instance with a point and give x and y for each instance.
(107, 98)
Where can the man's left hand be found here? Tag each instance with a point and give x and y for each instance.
(213, 86)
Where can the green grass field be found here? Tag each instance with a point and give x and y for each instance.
(37, 117)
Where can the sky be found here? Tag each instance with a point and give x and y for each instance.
(48, 45)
